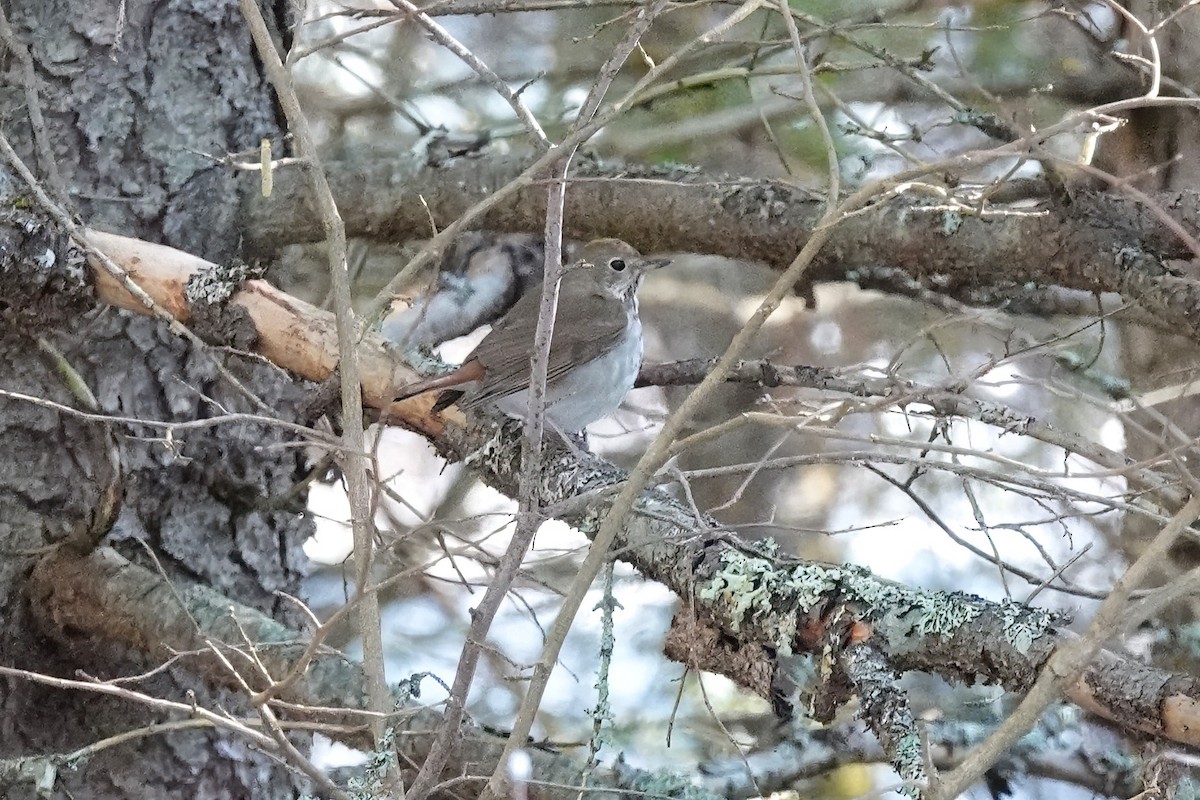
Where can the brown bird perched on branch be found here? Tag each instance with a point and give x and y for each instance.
(595, 352)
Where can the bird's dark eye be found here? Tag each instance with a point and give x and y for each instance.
(618, 264)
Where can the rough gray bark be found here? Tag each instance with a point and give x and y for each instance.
(128, 105)
(1100, 242)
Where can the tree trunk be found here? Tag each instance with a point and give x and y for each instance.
(129, 105)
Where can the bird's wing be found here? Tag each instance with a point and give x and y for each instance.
(505, 353)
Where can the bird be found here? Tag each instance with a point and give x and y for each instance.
(595, 352)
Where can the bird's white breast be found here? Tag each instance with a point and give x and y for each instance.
(589, 391)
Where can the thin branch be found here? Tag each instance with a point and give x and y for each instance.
(613, 521)
(530, 516)
(33, 104)
(1067, 662)
(531, 173)
(354, 454)
(170, 428)
(444, 38)
(113, 690)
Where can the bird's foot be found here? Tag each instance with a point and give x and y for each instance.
(577, 443)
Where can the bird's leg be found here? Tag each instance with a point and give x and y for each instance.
(577, 443)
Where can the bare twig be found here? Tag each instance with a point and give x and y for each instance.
(444, 38)
(37, 123)
(113, 690)
(275, 731)
(354, 456)
(547, 160)
(1067, 662)
(614, 520)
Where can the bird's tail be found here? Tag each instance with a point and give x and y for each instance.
(467, 373)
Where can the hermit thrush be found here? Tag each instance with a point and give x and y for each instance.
(595, 352)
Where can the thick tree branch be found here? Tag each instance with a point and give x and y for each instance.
(1104, 242)
(1060, 750)
(755, 219)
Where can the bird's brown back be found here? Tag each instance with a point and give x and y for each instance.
(590, 320)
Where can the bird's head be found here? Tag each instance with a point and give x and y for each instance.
(616, 265)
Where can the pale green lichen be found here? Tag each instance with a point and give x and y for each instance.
(1114, 762)
(951, 221)
(871, 592)
(769, 547)
(1189, 639)
(669, 784)
(811, 583)
(754, 589)
(1023, 625)
(907, 757)
(742, 584)
(370, 784)
(802, 671)
(937, 613)
(942, 615)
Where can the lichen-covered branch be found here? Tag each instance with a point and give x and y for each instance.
(759, 597)
(885, 707)
(1062, 748)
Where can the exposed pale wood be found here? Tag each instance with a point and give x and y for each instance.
(293, 334)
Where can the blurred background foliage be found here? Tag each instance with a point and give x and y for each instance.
(730, 109)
